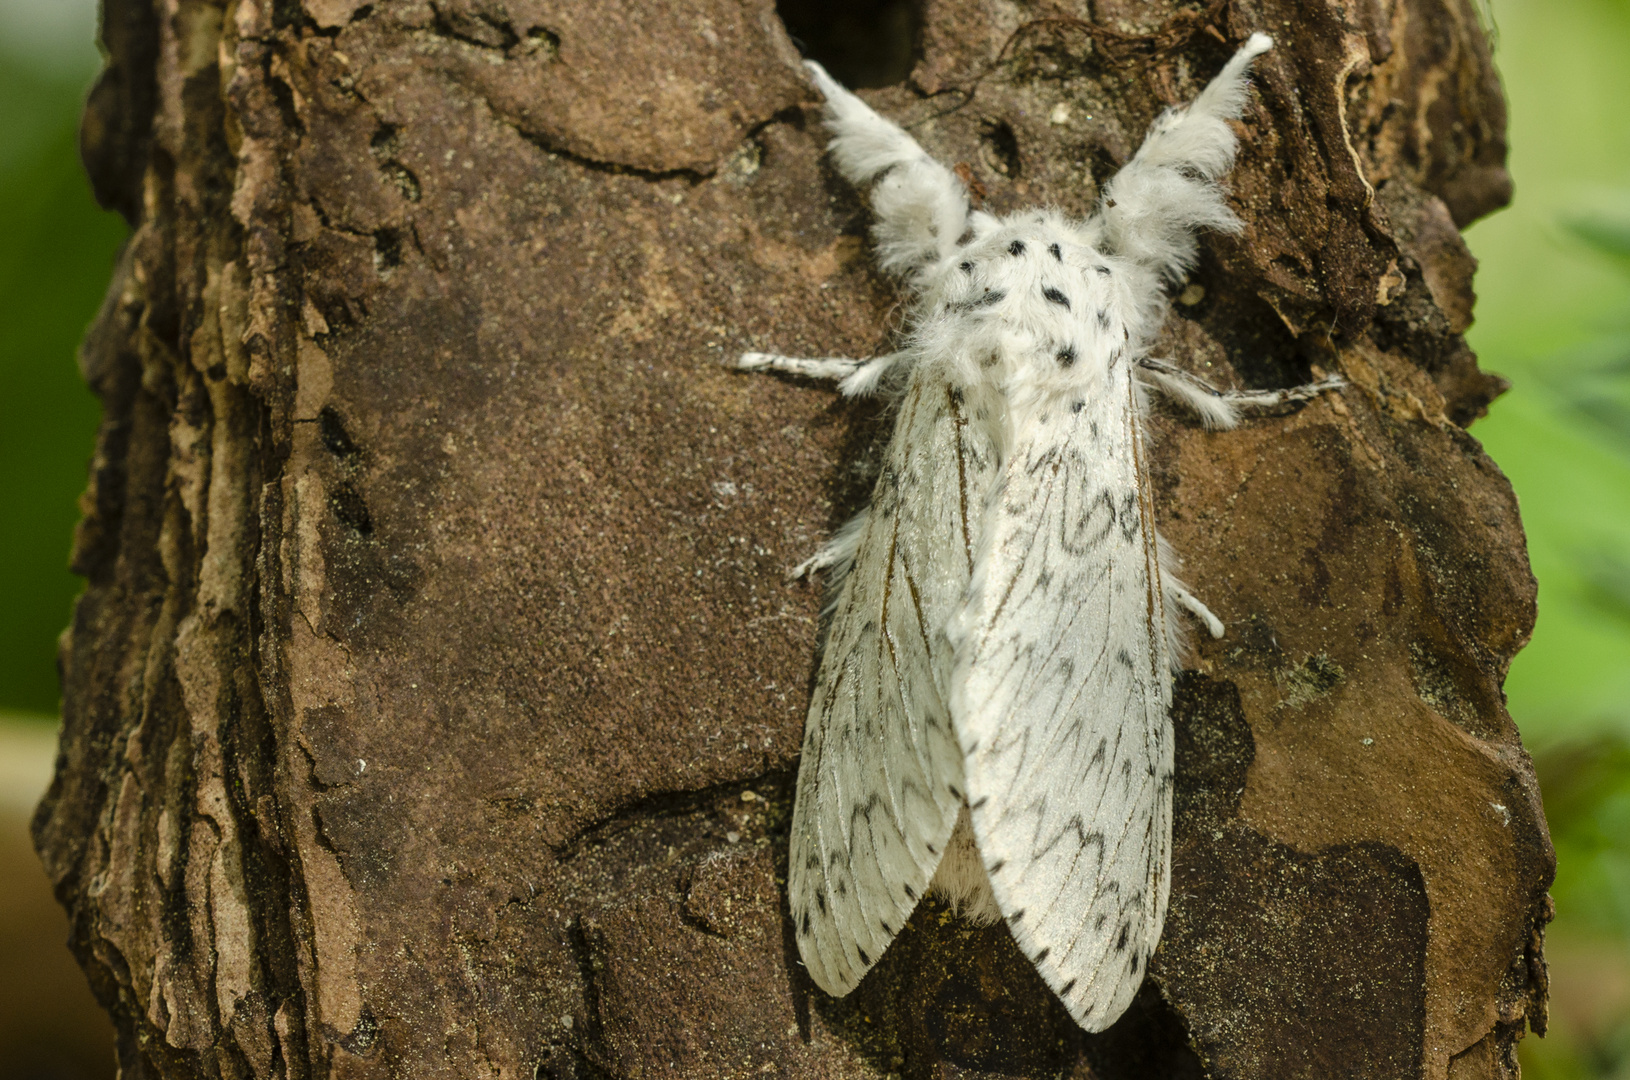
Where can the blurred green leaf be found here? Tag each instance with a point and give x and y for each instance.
(1608, 573)
(1553, 315)
(1587, 805)
(56, 257)
(1607, 235)
(1579, 778)
(1594, 377)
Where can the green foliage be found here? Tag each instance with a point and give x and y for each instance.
(1586, 778)
(1593, 381)
(1604, 234)
(1587, 801)
(1554, 316)
(56, 255)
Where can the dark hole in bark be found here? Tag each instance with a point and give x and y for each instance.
(387, 250)
(860, 42)
(480, 28)
(386, 142)
(331, 427)
(1292, 265)
(283, 95)
(287, 13)
(542, 40)
(1001, 148)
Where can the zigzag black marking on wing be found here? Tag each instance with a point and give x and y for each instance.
(1053, 715)
(881, 780)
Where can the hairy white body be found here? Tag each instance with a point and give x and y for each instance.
(990, 718)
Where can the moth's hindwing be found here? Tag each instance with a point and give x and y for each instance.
(880, 782)
(1060, 700)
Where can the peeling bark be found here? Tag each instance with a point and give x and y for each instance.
(433, 704)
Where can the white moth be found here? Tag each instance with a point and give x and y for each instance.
(990, 718)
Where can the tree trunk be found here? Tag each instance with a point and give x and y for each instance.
(433, 706)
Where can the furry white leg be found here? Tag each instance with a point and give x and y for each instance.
(1267, 399)
(1152, 207)
(838, 551)
(817, 561)
(855, 378)
(1187, 599)
(868, 377)
(920, 205)
(1220, 408)
(836, 368)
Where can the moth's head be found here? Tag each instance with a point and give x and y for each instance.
(1033, 288)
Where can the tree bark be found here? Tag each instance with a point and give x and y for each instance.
(434, 702)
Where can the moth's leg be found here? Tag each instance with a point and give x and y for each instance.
(1177, 596)
(838, 551)
(1186, 599)
(921, 206)
(855, 378)
(1267, 399)
(1151, 208)
(1220, 408)
(836, 368)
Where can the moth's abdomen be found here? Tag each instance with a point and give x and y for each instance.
(960, 880)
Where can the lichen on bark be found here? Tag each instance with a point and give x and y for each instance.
(433, 704)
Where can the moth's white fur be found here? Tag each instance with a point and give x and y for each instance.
(991, 714)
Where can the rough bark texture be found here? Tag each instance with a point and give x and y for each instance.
(433, 706)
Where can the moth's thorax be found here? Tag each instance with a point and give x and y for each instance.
(1031, 306)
